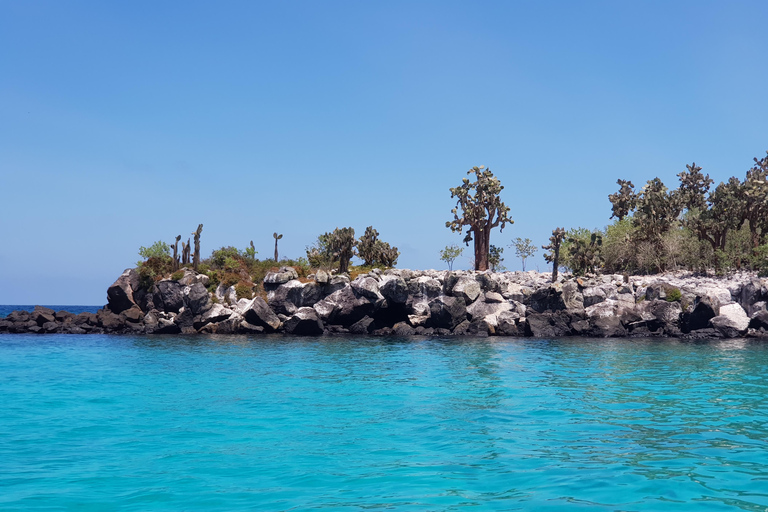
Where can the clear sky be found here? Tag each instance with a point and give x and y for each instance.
(129, 122)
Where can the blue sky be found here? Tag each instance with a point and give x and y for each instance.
(130, 122)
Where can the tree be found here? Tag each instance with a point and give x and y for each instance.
(481, 211)
(342, 246)
(450, 253)
(755, 201)
(693, 189)
(495, 258)
(524, 249)
(374, 252)
(623, 201)
(196, 260)
(276, 237)
(159, 250)
(585, 255)
(553, 256)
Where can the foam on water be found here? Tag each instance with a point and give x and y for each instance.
(279, 423)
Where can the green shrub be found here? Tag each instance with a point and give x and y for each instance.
(244, 290)
(177, 275)
(230, 279)
(159, 250)
(673, 294)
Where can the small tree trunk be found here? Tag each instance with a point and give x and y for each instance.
(556, 261)
(482, 248)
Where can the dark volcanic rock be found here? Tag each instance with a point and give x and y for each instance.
(705, 310)
(548, 298)
(304, 323)
(365, 325)
(395, 290)
(120, 294)
(258, 313)
(759, 320)
(169, 296)
(403, 329)
(108, 320)
(447, 312)
(547, 325)
(197, 299)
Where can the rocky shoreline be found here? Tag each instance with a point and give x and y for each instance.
(429, 303)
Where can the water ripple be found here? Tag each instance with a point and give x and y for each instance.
(275, 423)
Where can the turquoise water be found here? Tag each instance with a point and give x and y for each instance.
(238, 423)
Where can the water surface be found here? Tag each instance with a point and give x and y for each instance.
(279, 423)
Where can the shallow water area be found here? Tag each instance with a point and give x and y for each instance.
(280, 423)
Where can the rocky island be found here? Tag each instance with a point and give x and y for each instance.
(430, 303)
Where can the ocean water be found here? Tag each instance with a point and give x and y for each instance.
(6, 309)
(280, 423)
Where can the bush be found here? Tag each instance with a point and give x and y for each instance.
(158, 250)
(153, 270)
(177, 275)
(673, 294)
(244, 290)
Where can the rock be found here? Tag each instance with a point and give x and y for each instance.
(367, 287)
(365, 325)
(335, 284)
(289, 297)
(592, 295)
(226, 294)
(64, 316)
(344, 307)
(732, 321)
(705, 309)
(466, 288)
(394, 289)
(108, 320)
(86, 318)
(196, 298)
(548, 298)
(759, 320)
(259, 313)
(217, 313)
(50, 327)
(487, 310)
(418, 320)
(169, 296)
(403, 329)
(607, 327)
(479, 327)
(42, 315)
(282, 276)
(507, 323)
(493, 297)
(120, 293)
(191, 277)
(667, 316)
(133, 315)
(447, 312)
(572, 297)
(166, 326)
(304, 322)
(547, 325)
(322, 277)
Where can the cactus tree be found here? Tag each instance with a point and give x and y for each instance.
(342, 246)
(553, 256)
(481, 211)
(196, 261)
(276, 237)
(176, 253)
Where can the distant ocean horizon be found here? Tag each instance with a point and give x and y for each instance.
(5, 309)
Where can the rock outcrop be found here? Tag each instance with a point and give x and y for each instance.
(405, 302)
